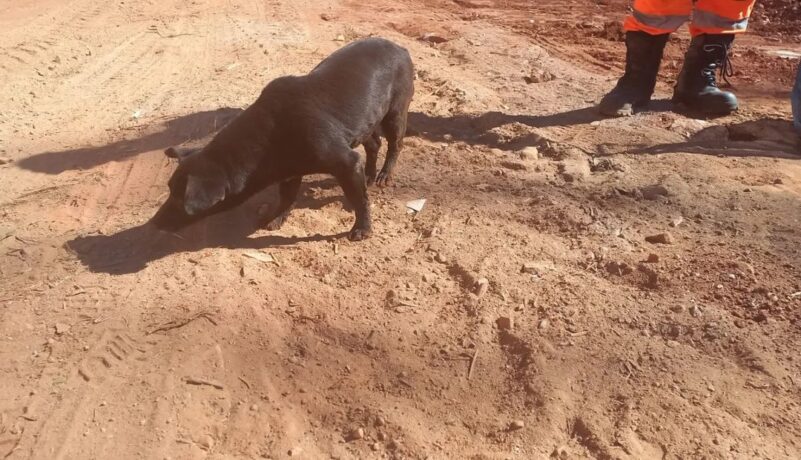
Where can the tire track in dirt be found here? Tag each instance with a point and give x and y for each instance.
(74, 405)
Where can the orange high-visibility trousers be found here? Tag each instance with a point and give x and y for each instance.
(658, 17)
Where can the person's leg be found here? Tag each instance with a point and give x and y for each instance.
(714, 17)
(796, 98)
(647, 32)
(658, 17)
(714, 25)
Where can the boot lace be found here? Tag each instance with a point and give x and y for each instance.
(724, 64)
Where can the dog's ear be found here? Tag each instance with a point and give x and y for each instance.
(202, 193)
(180, 153)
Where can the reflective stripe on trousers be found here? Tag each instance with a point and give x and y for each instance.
(708, 16)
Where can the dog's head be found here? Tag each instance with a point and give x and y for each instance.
(197, 188)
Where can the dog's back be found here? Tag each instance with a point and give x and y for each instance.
(355, 87)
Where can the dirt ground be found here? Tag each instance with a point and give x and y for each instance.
(522, 314)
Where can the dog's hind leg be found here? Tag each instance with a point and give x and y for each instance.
(371, 147)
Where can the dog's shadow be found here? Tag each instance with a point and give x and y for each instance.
(131, 250)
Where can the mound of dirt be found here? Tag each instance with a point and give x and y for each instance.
(778, 18)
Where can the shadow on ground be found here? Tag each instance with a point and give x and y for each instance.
(131, 250)
(478, 129)
(179, 130)
(773, 138)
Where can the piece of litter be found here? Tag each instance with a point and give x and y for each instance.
(261, 257)
(416, 205)
(194, 381)
(136, 115)
(785, 54)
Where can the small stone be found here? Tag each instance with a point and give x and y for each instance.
(544, 324)
(5, 160)
(607, 165)
(431, 37)
(393, 445)
(529, 268)
(326, 17)
(142, 422)
(505, 323)
(619, 268)
(381, 436)
(517, 425)
(678, 308)
(206, 442)
(441, 258)
(481, 287)
(653, 259)
(339, 38)
(539, 76)
(560, 453)
(295, 451)
(696, 311)
(356, 434)
(677, 221)
(254, 407)
(778, 181)
(654, 192)
(575, 170)
(375, 446)
(529, 154)
(62, 328)
(514, 165)
(672, 343)
(380, 421)
(662, 238)
(761, 317)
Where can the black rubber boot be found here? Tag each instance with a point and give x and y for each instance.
(696, 86)
(635, 87)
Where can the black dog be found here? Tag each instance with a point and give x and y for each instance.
(302, 125)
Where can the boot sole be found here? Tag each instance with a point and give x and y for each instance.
(681, 102)
(680, 106)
